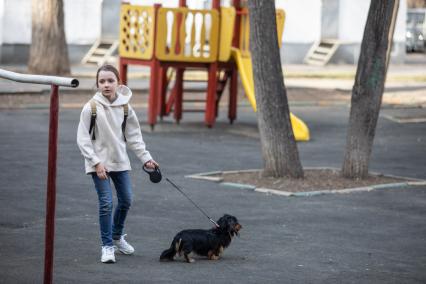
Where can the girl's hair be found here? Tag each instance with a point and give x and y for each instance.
(110, 68)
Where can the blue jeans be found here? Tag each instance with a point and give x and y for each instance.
(112, 227)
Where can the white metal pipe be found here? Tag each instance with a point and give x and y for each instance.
(39, 79)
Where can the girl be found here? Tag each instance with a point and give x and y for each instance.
(107, 125)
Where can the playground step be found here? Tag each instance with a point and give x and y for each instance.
(101, 52)
(195, 89)
(194, 101)
(193, 110)
(321, 52)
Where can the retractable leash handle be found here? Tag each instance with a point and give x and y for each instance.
(198, 207)
(154, 174)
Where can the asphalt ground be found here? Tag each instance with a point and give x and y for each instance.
(368, 237)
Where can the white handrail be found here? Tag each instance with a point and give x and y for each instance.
(39, 79)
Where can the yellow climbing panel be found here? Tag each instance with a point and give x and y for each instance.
(137, 31)
(187, 35)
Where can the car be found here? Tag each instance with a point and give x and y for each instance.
(414, 40)
(416, 30)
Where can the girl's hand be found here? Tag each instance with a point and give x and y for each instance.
(101, 171)
(151, 164)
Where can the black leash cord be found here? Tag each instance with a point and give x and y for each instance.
(202, 211)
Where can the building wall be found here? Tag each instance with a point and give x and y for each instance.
(15, 28)
(307, 21)
(1, 22)
(302, 28)
(16, 22)
(352, 20)
(329, 25)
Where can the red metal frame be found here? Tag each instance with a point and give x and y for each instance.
(51, 186)
(160, 105)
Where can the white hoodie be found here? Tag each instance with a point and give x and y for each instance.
(109, 148)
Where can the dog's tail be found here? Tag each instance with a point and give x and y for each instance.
(169, 254)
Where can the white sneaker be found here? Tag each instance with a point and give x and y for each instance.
(123, 246)
(108, 255)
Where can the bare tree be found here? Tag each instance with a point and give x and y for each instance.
(48, 51)
(368, 88)
(279, 149)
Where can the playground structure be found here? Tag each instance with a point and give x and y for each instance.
(180, 39)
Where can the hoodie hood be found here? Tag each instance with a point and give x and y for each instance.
(123, 97)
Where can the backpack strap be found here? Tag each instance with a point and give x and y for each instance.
(92, 119)
(123, 125)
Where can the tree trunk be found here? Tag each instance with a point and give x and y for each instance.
(48, 51)
(368, 88)
(279, 149)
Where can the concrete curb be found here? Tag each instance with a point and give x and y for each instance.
(212, 176)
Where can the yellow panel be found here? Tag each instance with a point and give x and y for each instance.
(227, 23)
(136, 31)
(186, 35)
(280, 25)
(245, 31)
(245, 34)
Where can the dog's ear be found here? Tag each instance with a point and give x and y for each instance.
(226, 216)
(223, 222)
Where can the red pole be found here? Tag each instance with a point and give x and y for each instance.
(179, 94)
(237, 26)
(216, 4)
(211, 110)
(178, 90)
(51, 186)
(122, 64)
(233, 95)
(162, 89)
(153, 79)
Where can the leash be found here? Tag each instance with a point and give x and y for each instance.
(202, 211)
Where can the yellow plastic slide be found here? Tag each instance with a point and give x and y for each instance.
(300, 130)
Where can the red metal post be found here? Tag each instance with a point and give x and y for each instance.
(179, 94)
(153, 81)
(162, 88)
(233, 84)
(237, 26)
(178, 89)
(216, 4)
(123, 70)
(153, 93)
(51, 186)
(210, 115)
(233, 94)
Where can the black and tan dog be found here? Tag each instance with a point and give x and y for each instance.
(210, 243)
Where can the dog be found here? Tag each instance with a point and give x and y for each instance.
(209, 243)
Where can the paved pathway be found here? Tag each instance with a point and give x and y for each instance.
(370, 237)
